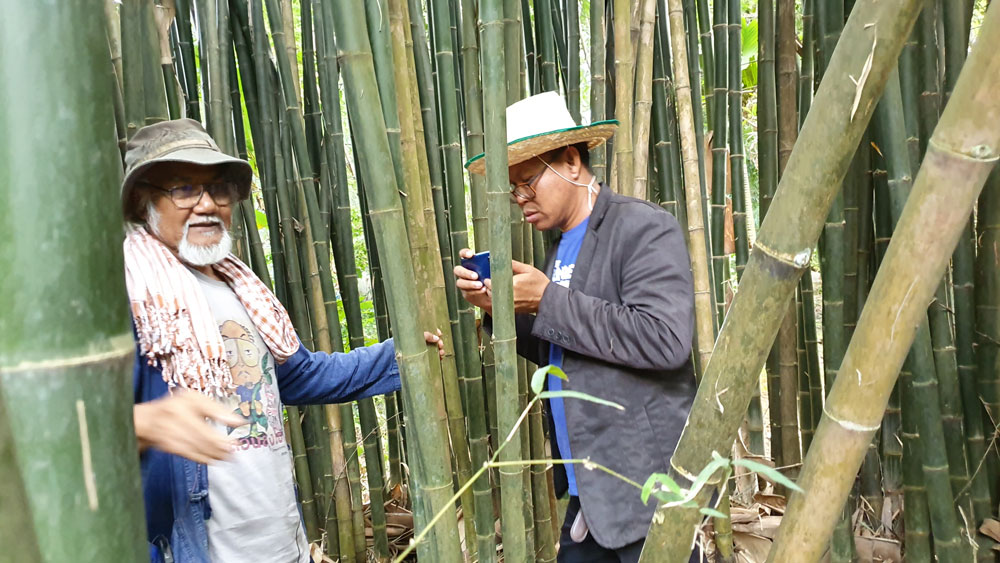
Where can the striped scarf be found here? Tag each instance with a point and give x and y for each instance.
(173, 321)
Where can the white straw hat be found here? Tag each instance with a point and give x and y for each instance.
(540, 123)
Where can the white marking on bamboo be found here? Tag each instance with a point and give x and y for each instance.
(849, 425)
(899, 311)
(121, 350)
(864, 75)
(89, 482)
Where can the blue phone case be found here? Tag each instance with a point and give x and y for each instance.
(480, 264)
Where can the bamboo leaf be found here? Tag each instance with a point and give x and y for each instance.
(578, 395)
(770, 473)
(713, 513)
(749, 43)
(538, 378)
(673, 490)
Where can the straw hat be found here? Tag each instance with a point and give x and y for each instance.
(540, 123)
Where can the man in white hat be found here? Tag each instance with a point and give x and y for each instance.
(614, 308)
(214, 343)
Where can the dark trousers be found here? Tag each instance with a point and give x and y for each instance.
(589, 551)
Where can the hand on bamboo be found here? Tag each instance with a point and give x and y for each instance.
(475, 291)
(435, 339)
(529, 286)
(177, 425)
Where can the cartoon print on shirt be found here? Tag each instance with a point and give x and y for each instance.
(251, 377)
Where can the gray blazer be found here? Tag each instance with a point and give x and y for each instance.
(626, 323)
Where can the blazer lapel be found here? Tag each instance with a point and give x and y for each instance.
(585, 258)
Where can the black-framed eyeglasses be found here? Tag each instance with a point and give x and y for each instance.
(187, 196)
(525, 191)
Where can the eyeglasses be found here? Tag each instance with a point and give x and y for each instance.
(187, 196)
(525, 191)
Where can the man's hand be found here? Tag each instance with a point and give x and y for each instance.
(435, 339)
(529, 285)
(176, 424)
(475, 291)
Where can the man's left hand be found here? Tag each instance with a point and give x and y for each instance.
(529, 285)
(435, 339)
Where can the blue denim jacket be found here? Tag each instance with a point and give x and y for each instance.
(175, 489)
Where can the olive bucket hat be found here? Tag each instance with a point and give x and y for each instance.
(541, 123)
(177, 141)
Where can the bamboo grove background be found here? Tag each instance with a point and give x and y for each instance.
(358, 115)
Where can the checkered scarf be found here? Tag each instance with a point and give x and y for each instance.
(175, 326)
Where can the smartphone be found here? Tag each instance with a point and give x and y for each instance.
(480, 264)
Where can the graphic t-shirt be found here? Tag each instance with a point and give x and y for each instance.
(252, 494)
(562, 273)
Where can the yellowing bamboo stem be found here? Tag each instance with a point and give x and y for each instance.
(964, 148)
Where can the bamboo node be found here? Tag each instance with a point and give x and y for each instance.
(849, 425)
(799, 260)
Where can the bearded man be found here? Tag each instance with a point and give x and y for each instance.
(216, 357)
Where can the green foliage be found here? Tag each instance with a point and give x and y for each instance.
(668, 492)
(538, 378)
(748, 56)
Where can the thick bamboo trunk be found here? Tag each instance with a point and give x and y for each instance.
(961, 154)
(68, 459)
(783, 248)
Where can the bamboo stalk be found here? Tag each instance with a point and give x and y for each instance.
(643, 101)
(808, 62)
(623, 173)
(573, 60)
(67, 444)
(422, 390)
(185, 44)
(700, 8)
(472, 368)
(663, 129)
(427, 260)
(598, 81)
(787, 134)
(737, 158)
(519, 73)
(545, 43)
(705, 332)
(987, 296)
(719, 123)
(504, 337)
(961, 148)
(782, 250)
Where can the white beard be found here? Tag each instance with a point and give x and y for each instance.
(193, 254)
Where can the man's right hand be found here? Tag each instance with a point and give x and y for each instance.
(475, 291)
(177, 424)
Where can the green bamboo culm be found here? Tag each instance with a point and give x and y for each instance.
(598, 82)
(623, 172)
(962, 146)
(783, 250)
(424, 393)
(504, 337)
(68, 454)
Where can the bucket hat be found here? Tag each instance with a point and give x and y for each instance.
(176, 141)
(540, 123)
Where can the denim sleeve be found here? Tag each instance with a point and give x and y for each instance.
(309, 378)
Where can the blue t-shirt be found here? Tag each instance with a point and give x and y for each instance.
(562, 273)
